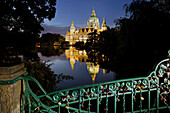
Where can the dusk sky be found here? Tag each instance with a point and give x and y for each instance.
(79, 11)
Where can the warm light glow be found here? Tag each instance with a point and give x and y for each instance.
(81, 35)
(92, 69)
(104, 71)
(72, 62)
(75, 55)
(80, 52)
(84, 52)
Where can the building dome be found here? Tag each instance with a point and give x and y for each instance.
(93, 21)
(93, 18)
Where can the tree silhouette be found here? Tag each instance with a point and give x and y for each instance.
(20, 20)
(92, 40)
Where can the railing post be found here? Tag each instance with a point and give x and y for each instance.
(132, 96)
(140, 100)
(98, 103)
(123, 102)
(149, 96)
(59, 107)
(115, 99)
(158, 92)
(11, 92)
(89, 105)
(115, 102)
(106, 103)
(80, 100)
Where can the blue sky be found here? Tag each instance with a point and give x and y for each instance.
(80, 10)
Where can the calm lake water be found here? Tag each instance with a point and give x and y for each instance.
(75, 63)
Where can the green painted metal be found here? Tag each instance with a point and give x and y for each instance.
(82, 99)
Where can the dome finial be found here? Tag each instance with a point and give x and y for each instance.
(72, 25)
(93, 12)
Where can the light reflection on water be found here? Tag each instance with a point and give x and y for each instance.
(75, 63)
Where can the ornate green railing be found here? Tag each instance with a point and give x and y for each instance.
(142, 94)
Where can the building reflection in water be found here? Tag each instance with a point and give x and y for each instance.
(92, 69)
(74, 55)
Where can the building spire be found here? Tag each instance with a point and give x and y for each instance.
(104, 26)
(104, 21)
(72, 25)
(93, 13)
(81, 29)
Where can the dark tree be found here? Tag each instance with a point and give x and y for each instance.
(93, 39)
(20, 20)
(51, 38)
(144, 35)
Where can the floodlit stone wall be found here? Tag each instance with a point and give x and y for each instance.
(11, 95)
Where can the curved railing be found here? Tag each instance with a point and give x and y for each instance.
(124, 95)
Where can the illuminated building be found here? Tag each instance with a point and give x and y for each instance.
(81, 35)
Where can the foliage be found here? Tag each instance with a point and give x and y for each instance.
(20, 20)
(50, 39)
(92, 40)
(9, 57)
(20, 26)
(42, 72)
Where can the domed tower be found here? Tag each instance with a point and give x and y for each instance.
(93, 21)
(72, 28)
(104, 26)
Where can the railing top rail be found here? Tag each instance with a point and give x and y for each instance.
(94, 85)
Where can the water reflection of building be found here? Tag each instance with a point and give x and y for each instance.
(82, 35)
(74, 55)
(92, 69)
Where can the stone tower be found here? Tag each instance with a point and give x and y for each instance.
(72, 28)
(104, 26)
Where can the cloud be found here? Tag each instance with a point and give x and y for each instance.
(55, 29)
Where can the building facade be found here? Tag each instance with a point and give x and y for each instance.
(81, 35)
